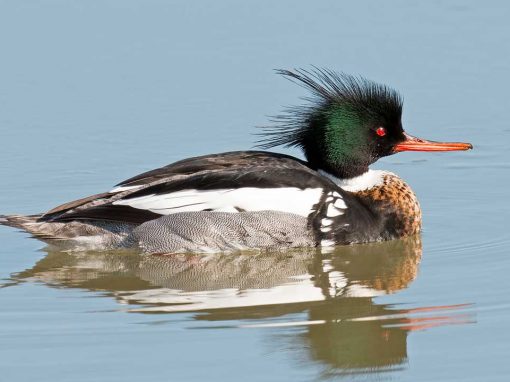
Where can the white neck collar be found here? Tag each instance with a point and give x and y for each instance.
(365, 181)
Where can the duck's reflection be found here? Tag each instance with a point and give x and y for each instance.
(332, 291)
(197, 282)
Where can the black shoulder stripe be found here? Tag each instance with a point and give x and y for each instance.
(110, 212)
(222, 161)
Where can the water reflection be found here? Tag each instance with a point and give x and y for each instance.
(329, 295)
(181, 282)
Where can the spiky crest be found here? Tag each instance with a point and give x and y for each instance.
(329, 91)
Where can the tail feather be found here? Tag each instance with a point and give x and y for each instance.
(40, 229)
(91, 233)
(19, 221)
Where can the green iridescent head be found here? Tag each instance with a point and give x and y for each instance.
(348, 123)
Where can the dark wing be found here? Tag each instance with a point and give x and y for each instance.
(224, 161)
(231, 182)
(77, 203)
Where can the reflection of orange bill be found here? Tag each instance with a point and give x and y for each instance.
(422, 323)
(439, 307)
(403, 321)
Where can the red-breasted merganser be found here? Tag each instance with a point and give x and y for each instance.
(259, 199)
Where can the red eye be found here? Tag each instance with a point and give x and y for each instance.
(381, 131)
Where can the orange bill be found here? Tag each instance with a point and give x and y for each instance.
(417, 144)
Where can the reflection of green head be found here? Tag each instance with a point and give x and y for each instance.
(346, 340)
(337, 129)
(348, 344)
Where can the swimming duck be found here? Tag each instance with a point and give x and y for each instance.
(260, 199)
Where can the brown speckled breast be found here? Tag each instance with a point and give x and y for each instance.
(398, 204)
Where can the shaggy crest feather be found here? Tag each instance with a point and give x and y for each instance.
(329, 90)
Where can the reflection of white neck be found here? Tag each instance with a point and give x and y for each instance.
(366, 181)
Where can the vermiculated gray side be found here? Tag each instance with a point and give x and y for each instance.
(207, 231)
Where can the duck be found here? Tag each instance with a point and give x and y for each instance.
(258, 199)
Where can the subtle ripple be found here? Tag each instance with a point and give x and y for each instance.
(471, 246)
(329, 298)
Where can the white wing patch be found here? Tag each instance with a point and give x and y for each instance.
(336, 207)
(333, 211)
(287, 199)
(326, 222)
(123, 188)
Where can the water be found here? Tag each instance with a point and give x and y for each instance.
(95, 92)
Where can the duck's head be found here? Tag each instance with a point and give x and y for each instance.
(348, 124)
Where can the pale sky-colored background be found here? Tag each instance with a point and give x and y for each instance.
(93, 92)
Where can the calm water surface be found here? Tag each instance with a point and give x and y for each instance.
(95, 92)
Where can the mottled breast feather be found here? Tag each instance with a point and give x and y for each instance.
(399, 208)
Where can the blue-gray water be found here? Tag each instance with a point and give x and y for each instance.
(94, 92)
